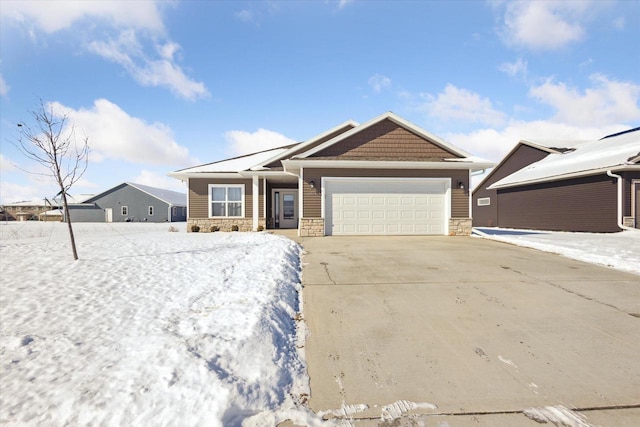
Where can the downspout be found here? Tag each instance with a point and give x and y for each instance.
(620, 186)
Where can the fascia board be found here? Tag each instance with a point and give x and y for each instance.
(369, 164)
(306, 143)
(497, 186)
(396, 119)
(185, 175)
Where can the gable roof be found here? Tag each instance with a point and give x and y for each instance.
(614, 152)
(173, 198)
(396, 119)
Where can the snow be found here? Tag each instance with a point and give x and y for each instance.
(609, 153)
(236, 164)
(150, 327)
(616, 250)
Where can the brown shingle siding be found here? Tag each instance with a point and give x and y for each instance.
(385, 140)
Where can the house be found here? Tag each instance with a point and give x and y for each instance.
(589, 186)
(128, 202)
(383, 177)
(32, 210)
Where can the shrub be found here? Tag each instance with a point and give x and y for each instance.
(195, 228)
(234, 227)
(214, 228)
(260, 228)
(172, 229)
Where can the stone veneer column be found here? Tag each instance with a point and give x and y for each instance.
(311, 227)
(460, 226)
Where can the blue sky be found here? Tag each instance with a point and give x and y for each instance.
(159, 86)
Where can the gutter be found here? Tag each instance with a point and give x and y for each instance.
(620, 184)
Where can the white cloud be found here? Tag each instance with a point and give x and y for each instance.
(49, 16)
(163, 71)
(619, 23)
(606, 102)
(10, 192)
(153, 179)
(5, 164)
(4, 87)
(513, 69)
(242, 142)
(461, 104)
(379, 82)
(343, 3)
(544, 25)
(115, 134)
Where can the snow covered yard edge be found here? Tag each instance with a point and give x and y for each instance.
(150, 328)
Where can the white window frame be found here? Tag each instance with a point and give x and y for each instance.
(124, 210)
(226, 187)
(150, 210)
(484, 201)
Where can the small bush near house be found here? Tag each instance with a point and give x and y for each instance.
(214, 228)
(234, 228)
(172, 229)
(260, 228)
(195, 228)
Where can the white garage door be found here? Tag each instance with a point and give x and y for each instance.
(379, 206)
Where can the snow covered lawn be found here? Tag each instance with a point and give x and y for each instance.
(149, 327)
(617, 250)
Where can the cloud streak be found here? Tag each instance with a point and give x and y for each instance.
(243, 142)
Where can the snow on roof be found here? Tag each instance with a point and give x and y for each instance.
(171, 197)
(237, 164)
(611, 152)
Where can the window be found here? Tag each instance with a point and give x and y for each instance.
(484, 201)
(124, 210)
(150, 210)
(174, 211)
(226, 200)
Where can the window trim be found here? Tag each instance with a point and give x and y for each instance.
(484, 201)
(226, 202)
(124, 210)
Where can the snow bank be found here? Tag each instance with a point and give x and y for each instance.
(616, 250)
(149, 327)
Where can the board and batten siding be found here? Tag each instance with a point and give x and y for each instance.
(385, 141)
(313, 199)
(487, 216)
(199, 196)
(587, 204)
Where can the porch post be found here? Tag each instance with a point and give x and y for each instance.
(256, 201)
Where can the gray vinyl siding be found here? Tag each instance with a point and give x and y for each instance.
(487, 216)
(313, 201)
(136, 201)
(587, 204)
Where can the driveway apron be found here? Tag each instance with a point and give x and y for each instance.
(467, 331)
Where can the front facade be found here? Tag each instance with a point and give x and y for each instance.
(590, 186)
(383, 177)
(129, 202)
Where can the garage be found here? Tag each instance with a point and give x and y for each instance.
(386, 206)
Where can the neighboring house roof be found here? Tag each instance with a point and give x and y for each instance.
(294, 155)
(614, 152)
(173, 198)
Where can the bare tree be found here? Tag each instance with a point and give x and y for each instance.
(52, 143)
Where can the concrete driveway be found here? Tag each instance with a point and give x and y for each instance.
(457, 331)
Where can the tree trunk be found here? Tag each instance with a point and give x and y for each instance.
(68, 218)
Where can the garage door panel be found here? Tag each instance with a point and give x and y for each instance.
(385, 207)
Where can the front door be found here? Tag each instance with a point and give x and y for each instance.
(108, 215)
(286, 208)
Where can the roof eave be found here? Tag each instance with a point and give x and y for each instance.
(296, 164)
(497, 186)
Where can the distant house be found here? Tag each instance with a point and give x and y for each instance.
(129, 202)
(32, 210)
(590, 186)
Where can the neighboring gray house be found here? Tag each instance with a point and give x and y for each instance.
(129, 202)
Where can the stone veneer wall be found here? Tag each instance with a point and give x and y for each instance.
(311, 227)
(460, 226)
(225, 224)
